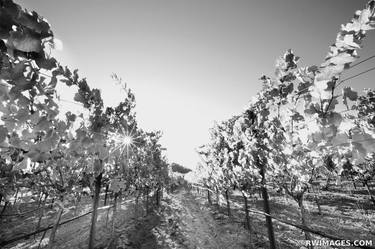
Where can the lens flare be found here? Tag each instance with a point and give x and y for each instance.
(122, 141)
(127, 140)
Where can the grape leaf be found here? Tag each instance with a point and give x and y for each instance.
(36, 155)
(43, 124)
(25, 41)
(312, 109)
(349, 93)
(3, 133)
(4, 90)
(22, 84)
(361, 150)
(35, 117)
(35, 23)
(297, 117)
(346, 41)
(360, 22)
(115, 185)
(71, 117)
(18, 69)
(21, 165)
(78, 97)
(22, 115)
(340, 59)
(46, 63)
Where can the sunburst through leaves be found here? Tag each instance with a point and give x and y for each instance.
(123, 140)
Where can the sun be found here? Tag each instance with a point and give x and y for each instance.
(122, 140)
(127, 140)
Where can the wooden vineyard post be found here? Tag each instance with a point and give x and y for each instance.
(41, 212)
(248, 224)
(209, 197)
(5, 206)
(303, 216)
(114, 215)
(147, 200)
(369, 192)
(267, 210)
(136, 207)
(217, 197)
(106, 194)
(246, 210)
(76, 203)
(318, 204)
(98, 180)
(55, 226)
(15, 197)
(228, 203)
(158, 196)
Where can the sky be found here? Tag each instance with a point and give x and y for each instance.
(193, 62)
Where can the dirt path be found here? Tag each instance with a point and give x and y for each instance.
(197, 224)
(202, 231)
(184, 221)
